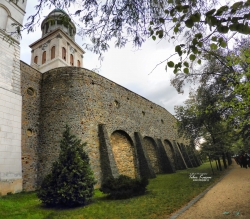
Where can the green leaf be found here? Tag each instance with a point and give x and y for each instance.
(213, 46)
(221, 10)
(170, 64)
(186, 70)
(192, 57)
(186, 64)
(214, 38)
(172, 12)
(154, 37)
(189, 23)
(194, 50)
(198, 35)
(195, 17)
(177, 48)
(194, 41)
(160, 33)
(223, 44)
(237, 5)
(179, 8)
(247, 16)
(161, 20)
(199, 61)
(200, 44)
(214, 21)
(175, 19)
(211, 12)
(233, 27)
(222, 29)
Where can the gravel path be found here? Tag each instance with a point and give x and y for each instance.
(229, 198)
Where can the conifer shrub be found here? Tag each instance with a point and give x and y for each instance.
(123, 187)
(71, 181)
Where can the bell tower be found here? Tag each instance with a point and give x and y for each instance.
(11, 12)
(57, 46)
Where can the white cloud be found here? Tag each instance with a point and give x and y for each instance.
(128, 67)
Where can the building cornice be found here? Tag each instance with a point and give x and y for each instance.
(56, 32)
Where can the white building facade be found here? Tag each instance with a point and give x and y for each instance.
(11, 12)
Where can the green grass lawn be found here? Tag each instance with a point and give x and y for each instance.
(165, 194)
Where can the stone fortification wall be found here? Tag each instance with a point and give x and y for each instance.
(84, 100)
(30, 90)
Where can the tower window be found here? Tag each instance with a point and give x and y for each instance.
(64, 53)
(36, 59)
(53, 52)
(71, 60)
(44, 57)
(78, 63)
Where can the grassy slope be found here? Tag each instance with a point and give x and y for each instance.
(166, 194)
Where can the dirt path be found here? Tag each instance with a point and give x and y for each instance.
(231, 194)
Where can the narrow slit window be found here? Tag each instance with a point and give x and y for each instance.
(36, 59)
(64, 53)
(71, 60)
(44, 57)
(53, 52)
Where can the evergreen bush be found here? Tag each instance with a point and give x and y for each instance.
(71, 181)
(124, 187)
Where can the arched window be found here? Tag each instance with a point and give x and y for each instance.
(53, 52)
(64, 53)
(78, 63)
(3, 18)
(36, 59)
(44, 57)
(71, 59)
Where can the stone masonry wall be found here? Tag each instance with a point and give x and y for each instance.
(30, 90)
(84, 99)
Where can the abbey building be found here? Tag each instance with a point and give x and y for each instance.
(125, 133)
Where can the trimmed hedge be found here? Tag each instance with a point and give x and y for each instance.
(124, 187)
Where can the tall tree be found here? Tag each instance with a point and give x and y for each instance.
(201, 22)
(71, 181)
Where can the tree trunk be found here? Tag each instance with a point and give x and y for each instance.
(224, 160)
(229, 159)
(211, 164)
(219, 163)
(217, 167)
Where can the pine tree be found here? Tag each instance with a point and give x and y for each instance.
(71, 181)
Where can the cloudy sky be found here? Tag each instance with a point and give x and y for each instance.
(128, 67)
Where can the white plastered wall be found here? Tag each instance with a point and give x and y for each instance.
(10, 99)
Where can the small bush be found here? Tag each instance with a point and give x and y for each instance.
(124, 187)
(71, 181)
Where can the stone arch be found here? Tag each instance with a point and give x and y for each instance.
(170, 151)
(151, 149)
(4, 14)
(124, 153)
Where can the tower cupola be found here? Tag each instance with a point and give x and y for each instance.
(58, 18)
(57, 46)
